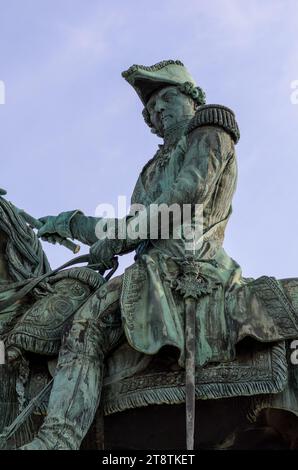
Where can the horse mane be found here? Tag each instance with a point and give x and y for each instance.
(25, 256)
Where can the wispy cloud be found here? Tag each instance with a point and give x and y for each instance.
(83, 43)
(236, 23)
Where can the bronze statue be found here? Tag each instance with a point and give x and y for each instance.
(183, 303)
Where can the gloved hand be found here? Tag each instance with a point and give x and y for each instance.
(102, 253)
(48, 230)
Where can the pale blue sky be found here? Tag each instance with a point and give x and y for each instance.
(72, 135)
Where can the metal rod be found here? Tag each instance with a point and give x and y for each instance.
(190, 370)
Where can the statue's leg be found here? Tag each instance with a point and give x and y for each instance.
(96, 328)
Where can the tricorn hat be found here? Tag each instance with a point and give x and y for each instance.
(148, 79)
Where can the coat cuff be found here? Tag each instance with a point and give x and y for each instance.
(63, 223)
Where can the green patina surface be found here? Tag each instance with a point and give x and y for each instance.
(146, 306)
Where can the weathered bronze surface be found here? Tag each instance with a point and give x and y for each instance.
(180, 325)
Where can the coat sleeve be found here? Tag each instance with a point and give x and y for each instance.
(209, 149)
(83, 228)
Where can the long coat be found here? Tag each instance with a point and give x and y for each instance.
(200, 169)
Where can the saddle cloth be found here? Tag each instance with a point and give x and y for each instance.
(259, 368)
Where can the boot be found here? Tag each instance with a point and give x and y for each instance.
(78, 380)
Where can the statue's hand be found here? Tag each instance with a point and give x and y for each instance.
(48, 231)
(102, 253)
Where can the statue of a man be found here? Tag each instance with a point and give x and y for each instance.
(195, 166)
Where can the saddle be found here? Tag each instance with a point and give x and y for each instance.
(260, 371)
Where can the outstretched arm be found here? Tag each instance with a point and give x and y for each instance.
(209, 149)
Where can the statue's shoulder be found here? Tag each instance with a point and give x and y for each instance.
(217, 115)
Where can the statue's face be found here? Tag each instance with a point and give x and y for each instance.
(167, 107)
